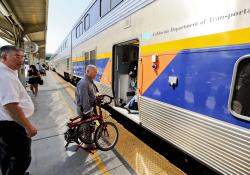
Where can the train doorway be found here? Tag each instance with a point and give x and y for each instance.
(125, 75)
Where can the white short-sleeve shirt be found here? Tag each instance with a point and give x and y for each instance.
(12, 91)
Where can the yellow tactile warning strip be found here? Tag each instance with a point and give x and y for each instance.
(143, 159)
(140, 157)
(95, 157)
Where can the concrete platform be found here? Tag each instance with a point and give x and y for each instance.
(54, 106)
(49, 155)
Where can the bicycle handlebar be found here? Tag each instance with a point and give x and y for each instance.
(103, 100)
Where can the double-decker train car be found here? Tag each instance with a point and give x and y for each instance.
(61, 61)
(180, 69)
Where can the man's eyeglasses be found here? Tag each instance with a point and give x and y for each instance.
(19, 56)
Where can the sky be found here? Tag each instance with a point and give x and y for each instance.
(63, 14)
(3, 42)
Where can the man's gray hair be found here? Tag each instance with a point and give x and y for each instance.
(8, 49)
(90, 67)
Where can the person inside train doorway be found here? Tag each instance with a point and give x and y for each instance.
(15, 106)
(86, 92)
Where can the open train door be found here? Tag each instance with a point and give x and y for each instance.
(125, 78)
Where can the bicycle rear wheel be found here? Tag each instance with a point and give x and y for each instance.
(86, 133)
(106, 136)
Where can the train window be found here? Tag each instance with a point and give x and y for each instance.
(87, 22)
(240, 91)
(86, 55)
(105, 7)
(93, 57)
(79, 30)
(68, 64)
(115, 3)
(66, 43)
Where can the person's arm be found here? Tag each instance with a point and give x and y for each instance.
(29, 73)
(18, 115)
(38, 75)
(10, 98)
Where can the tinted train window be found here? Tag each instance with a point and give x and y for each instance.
(87, 22)
(86, 55)
(105, 7)
(65, 44)
(115, 3)
(79, 30)
(240, 104)
(68, 64)
(92, 57)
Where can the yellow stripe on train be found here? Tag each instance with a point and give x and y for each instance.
(240, 36)
(74, 60)
(219, 39)
(98, 57)
(104, 55)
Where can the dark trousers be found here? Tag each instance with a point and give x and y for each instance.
(15, 152)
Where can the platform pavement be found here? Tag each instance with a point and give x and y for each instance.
(49, 157)
(53, 107)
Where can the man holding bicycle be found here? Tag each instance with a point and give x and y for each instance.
(85, 93)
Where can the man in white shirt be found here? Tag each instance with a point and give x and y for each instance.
(15, 106)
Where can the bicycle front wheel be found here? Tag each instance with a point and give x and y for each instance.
(106, 136)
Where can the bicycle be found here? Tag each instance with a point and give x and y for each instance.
(103, 134)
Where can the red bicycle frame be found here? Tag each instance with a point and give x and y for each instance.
(73, 124)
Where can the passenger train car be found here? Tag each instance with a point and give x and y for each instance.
(180, 69)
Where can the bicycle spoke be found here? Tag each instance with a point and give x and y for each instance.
(107, 136)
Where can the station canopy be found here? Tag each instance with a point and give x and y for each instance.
(24, 20)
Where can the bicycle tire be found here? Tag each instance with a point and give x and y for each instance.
(82, 135)
(98, 136)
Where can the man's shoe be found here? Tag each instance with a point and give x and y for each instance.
(89, 146)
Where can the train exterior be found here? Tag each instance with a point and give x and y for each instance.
(62, 59)
(180, 69)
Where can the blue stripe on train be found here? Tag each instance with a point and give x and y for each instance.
(204, 77)
(78, 68)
